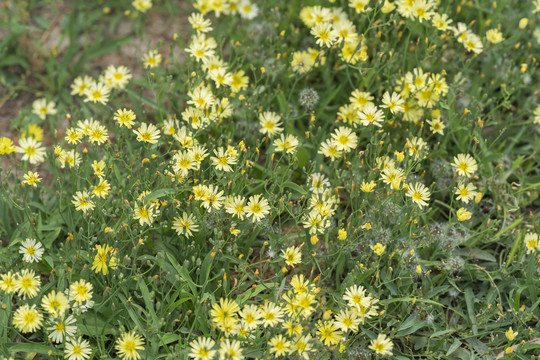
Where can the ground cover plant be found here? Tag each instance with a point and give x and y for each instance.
(346, 179)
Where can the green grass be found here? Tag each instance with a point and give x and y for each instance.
(446, 289)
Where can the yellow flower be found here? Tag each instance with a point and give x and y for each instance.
(34, 131)
(201, 349)
(223, 160)
(142, 5)
(152, 59)
(279, 345)
(510, 334)
(128, 344)
(27, 284)
(257, 208)
(382, 345)
(73, 136)
(463, 214)
(272, 314)
(345, 139)
(105, 258)
(465, 165)
(32, 250)
(325, 34)
(224, 313)
(80, 84)
(82, 201)
(199, 23)
(368, 186)
(251, 316)
(386, 8)
(419, 194)
(302, 345)
(55, 303)
(116, 77)
(378, 248)
(466, 192)
(31, 178)
(494, 36)
(125, 117)
(7, 282)
(329, 332)
(400, 156)
(270, 123)
(286, 143)
(147, 133)
(144, 214)
(27, 319)
(42, 108)
(342, 234)
(359, 6)
(231, 350)
(97, 92)
(31, 150)
(348, 320)
(98, 134)
(531, 242)
(6, 146)
(185, 225)
(80, 291)
(436, 126)
(77, 349)
(101, 190)
(292, 255)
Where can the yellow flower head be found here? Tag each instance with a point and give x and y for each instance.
(128, 345)
(463, 214)
(105, 257)
(378, 248)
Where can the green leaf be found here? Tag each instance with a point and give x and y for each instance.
(282, 102)
(455, 345)
(14, 60)
(514, 249)
(303, 156)
(408, 299)
(34, 348)
(469, 300)
(477, 254)
(408, 322)
(156, 194)
(93, 325)
(37, 206)
(100, 48)
(442, 332)
(184, 274)
(510, 227)
(148, 303)
(412, 329)
(134, 316)
(145, 100)
(168, 338)
(295, 187)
